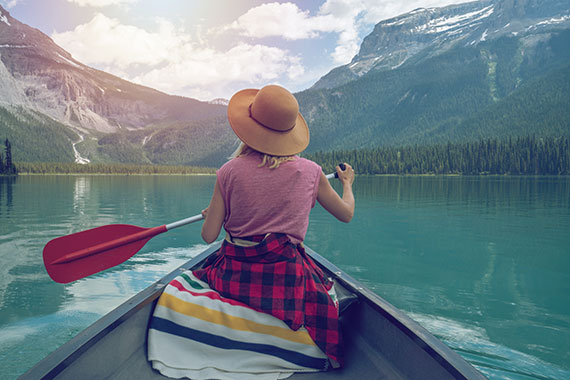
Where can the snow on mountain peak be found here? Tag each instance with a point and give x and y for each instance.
(219, 101)
(554, 20)
(432, 31)
(4, 19)
(69, 61)
(549, 22)
(443, 24)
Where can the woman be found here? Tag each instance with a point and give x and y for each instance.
(262, 198)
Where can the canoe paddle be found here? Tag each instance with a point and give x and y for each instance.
(72, 257)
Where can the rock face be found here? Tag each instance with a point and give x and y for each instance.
(486, 69)
(425, 33)
(36, 73)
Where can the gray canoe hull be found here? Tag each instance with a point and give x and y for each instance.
(381, 342)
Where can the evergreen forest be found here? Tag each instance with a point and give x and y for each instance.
(529, 155)
(124, 169)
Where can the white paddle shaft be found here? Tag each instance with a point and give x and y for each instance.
(184, 222)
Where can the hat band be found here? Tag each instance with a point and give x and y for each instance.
(267, 126)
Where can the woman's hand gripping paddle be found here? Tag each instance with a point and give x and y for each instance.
(71, 257)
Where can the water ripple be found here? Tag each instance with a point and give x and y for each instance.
(494, 360)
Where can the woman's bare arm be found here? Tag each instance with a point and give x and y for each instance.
(340, 208)
(214, 215)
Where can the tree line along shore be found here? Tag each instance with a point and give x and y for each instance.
(108, 169)
(529, 155)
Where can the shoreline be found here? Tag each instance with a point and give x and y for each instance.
(72, 169)
(117, 174)
(359, 175)
(75, 169)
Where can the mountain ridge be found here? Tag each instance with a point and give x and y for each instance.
(455, 73)
(54, 83)
(39, 77)
(396, 40)
(449, 88)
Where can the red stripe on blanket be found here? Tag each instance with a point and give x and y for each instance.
(211, 294)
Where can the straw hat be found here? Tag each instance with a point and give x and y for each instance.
(268, 120)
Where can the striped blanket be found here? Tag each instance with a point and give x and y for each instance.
(196, 333)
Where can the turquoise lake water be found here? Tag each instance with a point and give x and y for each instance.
(481, 262)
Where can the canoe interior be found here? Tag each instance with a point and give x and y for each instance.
(380, 341)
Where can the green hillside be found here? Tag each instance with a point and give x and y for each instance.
(36, 137)
(540, 106)
(503, 87)
(204, 143)
(199, 143)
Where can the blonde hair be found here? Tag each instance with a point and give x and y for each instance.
(272, 161)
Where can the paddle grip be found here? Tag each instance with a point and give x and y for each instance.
(342, 167)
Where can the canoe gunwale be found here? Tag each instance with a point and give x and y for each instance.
(445, 356)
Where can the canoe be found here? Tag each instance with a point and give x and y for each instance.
(381, 342)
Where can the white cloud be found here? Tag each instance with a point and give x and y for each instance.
(106, 41)
(288, 21)
(347, 15)
(350, 19)
(172, 61)
(12, 3)
(202, 71)
(285, 20)
(101, 3)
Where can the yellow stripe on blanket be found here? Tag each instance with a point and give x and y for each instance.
(232, 322)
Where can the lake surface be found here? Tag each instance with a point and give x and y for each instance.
(481, 262)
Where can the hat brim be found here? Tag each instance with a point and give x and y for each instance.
(261, 138)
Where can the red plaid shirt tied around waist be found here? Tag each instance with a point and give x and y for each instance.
(278, 278)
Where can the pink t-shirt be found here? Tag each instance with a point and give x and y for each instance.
(260, 200)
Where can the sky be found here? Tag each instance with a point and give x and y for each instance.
(208, 49)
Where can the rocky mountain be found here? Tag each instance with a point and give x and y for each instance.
(425, 33)
(484, 69)
(490, 68)
(41, 81)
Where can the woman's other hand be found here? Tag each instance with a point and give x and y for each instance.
(345, 176)
(341, 208)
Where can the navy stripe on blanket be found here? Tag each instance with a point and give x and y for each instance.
(170, 327)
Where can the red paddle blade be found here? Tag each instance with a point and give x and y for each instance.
(69, 258)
